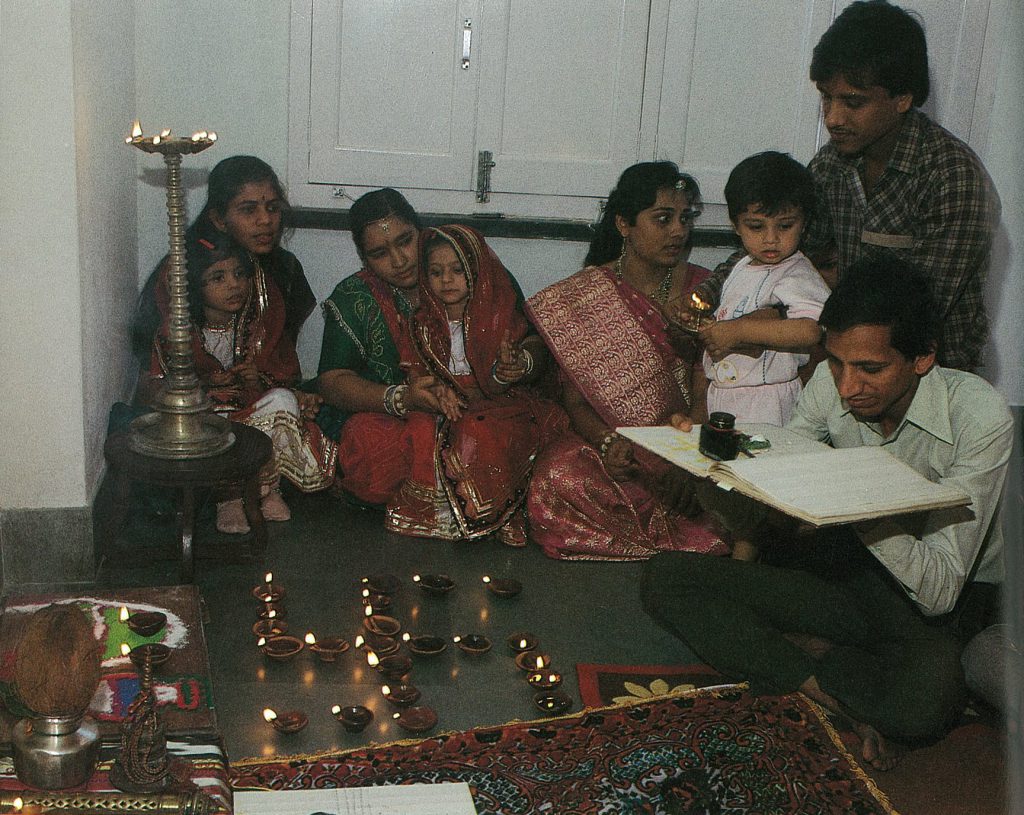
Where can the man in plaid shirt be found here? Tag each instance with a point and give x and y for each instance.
(891, 180)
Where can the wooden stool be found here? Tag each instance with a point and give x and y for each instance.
(239, 465)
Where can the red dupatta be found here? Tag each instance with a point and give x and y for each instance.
(259, 336)
(490, 313)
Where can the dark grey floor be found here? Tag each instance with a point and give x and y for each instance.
(581, 612)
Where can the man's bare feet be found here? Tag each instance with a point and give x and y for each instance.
(876, 750)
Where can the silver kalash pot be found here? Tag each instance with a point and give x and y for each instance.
(55, 752)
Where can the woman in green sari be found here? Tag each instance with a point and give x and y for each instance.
(366, 317)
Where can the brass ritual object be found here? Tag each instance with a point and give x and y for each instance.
(183, 425)
(144, 764)
(94, 803)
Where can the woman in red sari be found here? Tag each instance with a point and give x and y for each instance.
(594, 494)
(462, 474)
(245, 358)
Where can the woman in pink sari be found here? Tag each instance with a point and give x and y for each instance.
(594, 495)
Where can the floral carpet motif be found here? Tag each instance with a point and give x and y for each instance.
(602, 684)
(719, 751)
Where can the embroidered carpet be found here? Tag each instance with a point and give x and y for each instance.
(718, 751)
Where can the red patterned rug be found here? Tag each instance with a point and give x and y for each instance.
(602, 684)
(721, 751)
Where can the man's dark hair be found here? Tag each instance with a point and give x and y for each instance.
(875, 43)
(771, 182)
(885, 290)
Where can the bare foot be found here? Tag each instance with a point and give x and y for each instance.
(876, 750)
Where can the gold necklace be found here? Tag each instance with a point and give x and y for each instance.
(660, 294)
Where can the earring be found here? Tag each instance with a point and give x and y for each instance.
(621, 261)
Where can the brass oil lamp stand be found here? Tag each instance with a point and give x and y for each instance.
(183, 425)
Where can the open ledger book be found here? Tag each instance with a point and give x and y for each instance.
(806, 479)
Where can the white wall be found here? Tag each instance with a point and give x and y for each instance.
(43, 454)
(103, 33)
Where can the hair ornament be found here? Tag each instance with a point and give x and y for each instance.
(205, 243)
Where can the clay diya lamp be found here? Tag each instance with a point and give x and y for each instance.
(401, 695)
(269, 627)
(380, 602)
(280, 648)
(353, 718)
(521, 641)
(474, 644)
(271, 611)
(532, 661)
(434, 583)
(382, 646)
(291, 721)
(156, 653)
(146, 623)
(396, 666)
(552, 701)
(267, 592)
(502, 586)
(424, 645)
(382, 584)
(328, 648)
(380, 623)
(544, 680)
(416, 719)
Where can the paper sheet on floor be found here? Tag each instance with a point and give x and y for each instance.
(412, 799)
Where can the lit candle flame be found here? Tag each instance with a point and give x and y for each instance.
(269, 714)
(272, 614)
(359, 641)
(540, 663)
(17, 804)
(416, 578)
(365, 580)
(486, 578)
(212, 136)
(335, 709)
(456, 639)
(406, 637)
(523, 644)
(261, 642)
(268, 578)
(396, 715)
(368, 611)
(123, 616)
(156, 140)
(372, 659)
(699, 303)
(165, 133)
(310, 639)
(385, 689)
(125, 649)
(366, 592)
(195, 136)
(136, 129)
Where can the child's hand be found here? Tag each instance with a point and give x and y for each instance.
(511, 365)
(220, 379)
(722, 338)
(246, 372)
(309, 404)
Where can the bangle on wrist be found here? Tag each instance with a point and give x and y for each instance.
(394, 401)
(606, 443)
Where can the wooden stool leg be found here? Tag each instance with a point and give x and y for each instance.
(186, 526)
(251, 504)
(120, 501)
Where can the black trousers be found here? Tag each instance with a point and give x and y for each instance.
(890, 666)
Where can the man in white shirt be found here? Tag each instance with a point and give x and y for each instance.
(869, 620)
